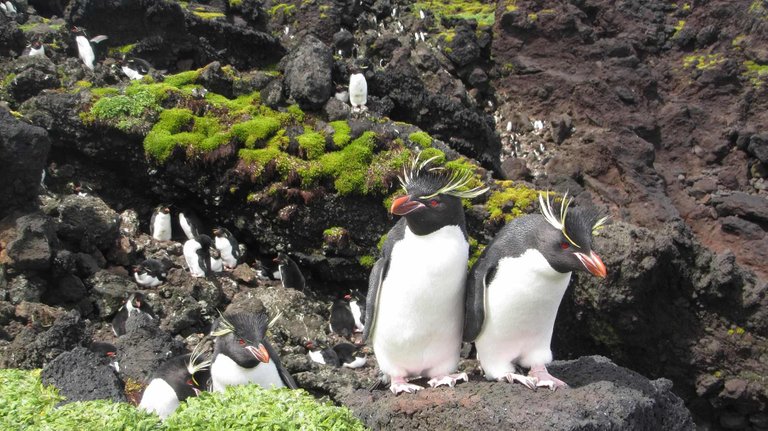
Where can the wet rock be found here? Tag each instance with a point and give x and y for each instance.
(308, 73)
(88, 222)
(750, 207)
(624, 400)
(81, 375)
(144, 347)
(35, 243)
(23, 151)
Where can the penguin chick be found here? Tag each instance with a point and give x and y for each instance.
(342, 320)
(243, 355)
(36, 49)
(227, 245)
(197, 254)
(176, 380)
(160, 223)
(217, 265)
(134, 304)
(150, 273)
(290, 274)
(515, 289)
(415, 305)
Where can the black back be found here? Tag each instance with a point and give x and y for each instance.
(154, 268)
(346, 352)
(342, 320)
(194, 222)
(290, 274)
(174, 371)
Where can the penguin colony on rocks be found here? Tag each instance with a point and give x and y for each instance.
(420, 305)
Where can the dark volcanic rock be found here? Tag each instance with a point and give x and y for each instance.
(88, 222)
(23, 150)
(144, 347)
(11, 36)
(750, 207)
(601, 396)
(308, 73)
(81, 375)
(33, 347)
(109, 291)
(35, 244)
(32, 75)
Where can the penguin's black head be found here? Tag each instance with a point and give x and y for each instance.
(188, 374)
(240, 336)
(433, 198)
(281, 258)
(205, 241)
(137, 299)
(37, 44)
(221, 232)
(565, 239)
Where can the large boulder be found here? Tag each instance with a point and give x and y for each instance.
(82, 375)
(35, 243)
(88, 222)
(308, 73)
(601, 396)
(23, 151)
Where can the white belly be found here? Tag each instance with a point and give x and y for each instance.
(161, 230)
(225, 247)
(85, 51)
(192, 259)
(225, 372)
(358, 90)
(217, 265)
(185, 226)
(356, 314)
(521, 306)
(147, 280)
(159, 397)
(420, 311)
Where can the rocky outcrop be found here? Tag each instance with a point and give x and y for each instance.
(601, 396)
(308, 73)
(82, 375)
(23, 151)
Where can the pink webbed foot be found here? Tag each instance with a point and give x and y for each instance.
(544, 379)
(449, 380)
(528, 382)
(400, 384)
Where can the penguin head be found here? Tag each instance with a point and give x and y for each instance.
(240, 336)
(433, 197)
(78, 31)
(565, 239)
(205, 241)
(281, 259)
(136, 300)
(221, 232)
(36, 44)
(188, 374)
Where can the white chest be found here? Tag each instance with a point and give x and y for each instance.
(192, 259)
(358, 89)
(146, 280)
(85, 51)
(161, 228)
(356, 314)
(160, 398)
(186, 227)
(225, 372)
(225, 247)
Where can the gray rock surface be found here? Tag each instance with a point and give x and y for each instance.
(23, 150)
(308, 73)
(81, 375)
(602, 396)
(88, 222)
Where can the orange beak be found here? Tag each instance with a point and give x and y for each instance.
(259, 352)
(404, 205)
(593, 264)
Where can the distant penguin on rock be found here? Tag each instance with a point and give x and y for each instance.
(35, 49)
(84, 48)
(346, 316)
(150, 273)
(290, 274)
(358, 89)
(197, 254)
(415, 304)
(160, 223)
(227, 245)
(190, 224)
(515, 288)
(243, 355)
(174, 381)
(135, 304)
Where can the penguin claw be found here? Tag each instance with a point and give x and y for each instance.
(528, 382)
(449, 380)
(545, 380)
(397, 387)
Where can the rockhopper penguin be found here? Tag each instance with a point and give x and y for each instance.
(134, 304)
(150, 273)
(290, 274)
(243, 355)
(197, 254)
(160, 223)
(347, 316)
(176, 380)
(84, 48)
(358, 89)
(515, 289)
(227, 245)
(415, 304)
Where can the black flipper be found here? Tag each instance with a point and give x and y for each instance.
(284, 375)
(477, 283)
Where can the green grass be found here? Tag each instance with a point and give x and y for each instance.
(25, 404)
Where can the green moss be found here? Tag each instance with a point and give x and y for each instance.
(166, 133)
(366, 261)
(678, 27)
(125, 110)
(23, 399)
(737, 41)
(510, 201)
(208, 14)
(296, 113)
(482, 12)
(428, 153)
(384, 169)
(28, 26)
(106, 91)
(756, 73)
(382, 240)
(421, 139)
(256, 131)
(183, 78)
(475, 250)
(532, 17)
(349, 165)
(702, 62)
(312, 144)
(235, 3)
(759, 8)
(334, 232)
(286, 9)
(119, 51)
(83, 84)
(341, 133)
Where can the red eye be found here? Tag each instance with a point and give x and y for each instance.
(241, 341)
(565, 245)
(189, 382)
(434, 202)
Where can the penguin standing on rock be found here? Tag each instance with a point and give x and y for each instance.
(515, 289)
(160, 223)
(134, 304)
(243, 355)
(358, 89)
(176, 380)
(346, 316)
(197, 254)
(227, 245)
(84, 48)
(150, 273)
(290, 274)
(415, 304)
